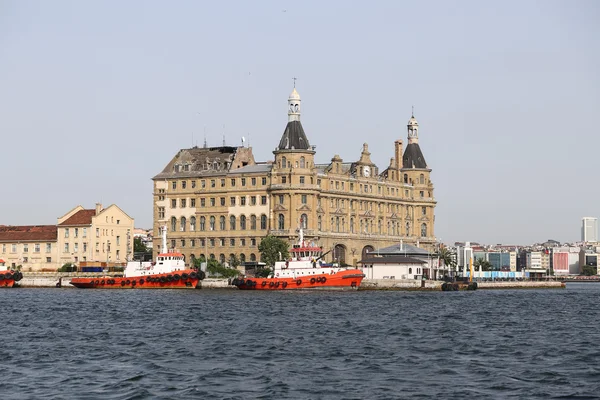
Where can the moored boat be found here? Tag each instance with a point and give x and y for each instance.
(9, 278)
(304, 269)
(167, 272)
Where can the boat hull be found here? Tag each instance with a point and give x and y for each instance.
(8, 279)
(342, 280)
(188, 279)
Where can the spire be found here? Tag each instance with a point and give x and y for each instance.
(413, 129)
(413, 156)
(293, 137)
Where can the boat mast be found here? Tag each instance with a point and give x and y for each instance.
(163, 231)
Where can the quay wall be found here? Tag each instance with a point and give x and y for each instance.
(521, 285)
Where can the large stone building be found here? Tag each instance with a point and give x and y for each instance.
(81, 235)
(219, 202)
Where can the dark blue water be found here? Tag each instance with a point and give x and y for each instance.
(69, 343)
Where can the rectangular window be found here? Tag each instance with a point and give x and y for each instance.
(422, 194)
(222, 182)
(25, 248)
(242, 200)
(25, 259)
(193, 184)
(173, 203)
(174, 185)
(183, 203)
(48, 247)
(66, 249)
(253, 181)
(76, 247)
(161, 212)
(36, 248)
(424, 210)
(252, 200)
(202, 242)
(211, 242)
(283, 179)
(66, 232)
(252, 242)
(232, 201)
(84, 247)
(213, 183)
(212, 201)
(192, 242)
(203, 202)
(118, 240)
(263, 200)
(97, 232)
(193, 203)
(183, 184)
(264, 181)
(222, 201)
(280, 199)
(221, 242)
(172, 243)
(303, 199)
(232, 242)
(97, 247)
(13, 248)
(302, 180)
(243, 242)
(243, 181)
(182, 242)
(76, 233)
(318, 182)
(203, 184)
(48, 259)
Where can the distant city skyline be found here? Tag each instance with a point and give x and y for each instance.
(97, 96)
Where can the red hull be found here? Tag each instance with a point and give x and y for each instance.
(348, 279)
(187, 279)
(9, 278)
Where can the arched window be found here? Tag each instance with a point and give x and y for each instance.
(193, 224)
(281, 221)
(263, 222)
(361, 227)
(183, 223)
(252, 257)
(242, 258)
(212, 223)
(253, 222)
(337, 224)
(242, 222)
(304, 221)
(222, 258)
(222, 223)
(212, 256)
(231, 259)
(351, 225)
(173, 224)
(232, 222)
(379, 226)
(343, 225)
(421, 179)
(302, 162)
(331, 225)
(410, 270)
(405, 178)
(202, 223)
(423, 230)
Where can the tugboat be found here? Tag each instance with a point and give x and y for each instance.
(9, 278)
(167, 272)
(305, 269)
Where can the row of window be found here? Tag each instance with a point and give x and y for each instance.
(36, 248)
(212, 201)
(211, 242)
(244, 223)
(213, 183)
(242, 257)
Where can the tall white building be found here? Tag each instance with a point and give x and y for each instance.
(589, 229)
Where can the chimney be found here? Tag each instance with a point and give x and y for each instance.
(98, 208)
(398, 156)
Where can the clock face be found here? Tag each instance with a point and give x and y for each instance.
(366, 171)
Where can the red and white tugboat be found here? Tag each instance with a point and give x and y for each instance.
(304, 270)
(8, 278)
(167, 272)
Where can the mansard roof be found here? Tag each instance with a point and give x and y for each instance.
(403, 249)
(413, 157)
(371, 259)
(294, 138)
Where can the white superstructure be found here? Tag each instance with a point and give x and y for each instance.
(165, 262)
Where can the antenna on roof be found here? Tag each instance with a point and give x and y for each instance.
(205, 146)
(223, 134)
(243, 140)
(294, 78)
(413, 111)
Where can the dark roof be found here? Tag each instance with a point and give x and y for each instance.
(391, 260)
(294, 138)
(81, 217)
(405, 249)
(28, 233)
(413, 157)
(199, 161)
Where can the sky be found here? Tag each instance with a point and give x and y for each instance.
(97, 97)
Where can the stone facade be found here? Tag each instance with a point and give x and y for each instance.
(219, 202)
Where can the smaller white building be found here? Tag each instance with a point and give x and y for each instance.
(393, 267)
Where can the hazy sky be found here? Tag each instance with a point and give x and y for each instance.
(97, 97)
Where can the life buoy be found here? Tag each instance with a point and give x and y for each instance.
(169, 278)
(249, 282)
(142, 281)
(128, 282)
(323, 279)
(176, 277)
(194, 275)
(102, 282)
(271, 284)
(97, 281)
(133, 282)
(184, 276)
(163, 279)
(299, 282)
(319, 279)
(201, 275)
(277, 284)
(122, 283)
(263, 284)
(312, 280)
(284, 285)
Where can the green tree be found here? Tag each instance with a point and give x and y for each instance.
(234, 261)
(485, 265)
(588, 270)
(447, 257)
(138, 246)
(270, 249)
